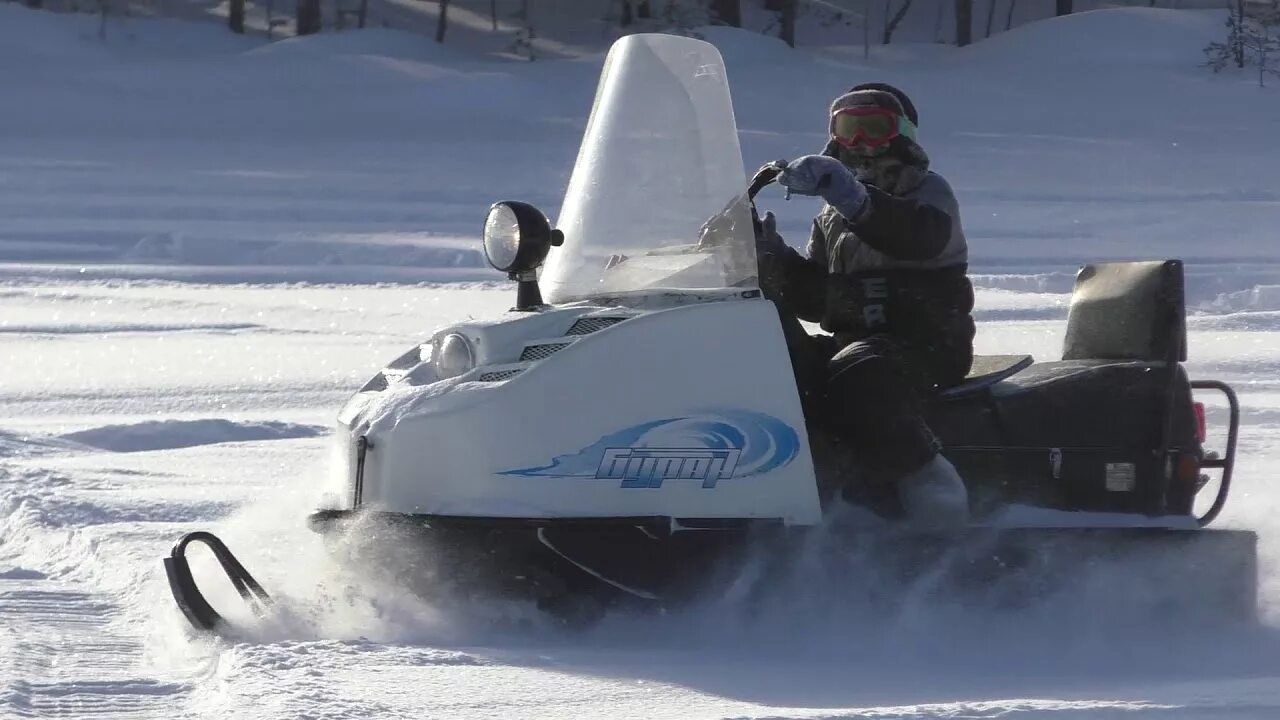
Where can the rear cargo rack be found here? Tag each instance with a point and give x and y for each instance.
(1227, 462)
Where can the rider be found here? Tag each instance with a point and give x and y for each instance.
(886, 275)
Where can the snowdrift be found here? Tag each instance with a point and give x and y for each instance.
(1118, 38)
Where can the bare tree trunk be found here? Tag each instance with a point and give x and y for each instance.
(891, 24)
(1008, 19)
(235, 16)
(526, 34)
(964, 22)
(104, 8)
(1239, 39)
(866, 29)
(727, 12)
(362, 14)
(991, 16)
(644, 10)
(788, 22)
(308, 18)
(493, 13)
(1064, 7)
(937, 22)
(442, 20)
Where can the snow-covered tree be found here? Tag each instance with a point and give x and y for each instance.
(685, 15)
(1253, 36)
(1260, 37)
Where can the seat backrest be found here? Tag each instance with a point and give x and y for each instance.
(1128, 311)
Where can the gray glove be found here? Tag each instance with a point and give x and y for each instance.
(829, 179)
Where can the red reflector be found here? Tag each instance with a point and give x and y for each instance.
(1189, 470)
(1201, 431)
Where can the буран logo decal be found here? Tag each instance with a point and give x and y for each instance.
(705, 447)
(648, 467)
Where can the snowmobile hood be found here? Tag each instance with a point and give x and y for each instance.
(656, 199)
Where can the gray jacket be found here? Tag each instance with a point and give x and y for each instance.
(917, 230)
(899, 269)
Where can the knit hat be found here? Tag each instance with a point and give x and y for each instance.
(867, 99)
(904, 102)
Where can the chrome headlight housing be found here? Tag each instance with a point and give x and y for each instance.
(454, 357)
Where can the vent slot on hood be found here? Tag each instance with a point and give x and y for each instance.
(588, 325)
(498, 375)
(538, 352)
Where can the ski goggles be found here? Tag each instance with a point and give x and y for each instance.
(868, 125)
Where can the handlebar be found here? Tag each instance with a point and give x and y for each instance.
(764, 177)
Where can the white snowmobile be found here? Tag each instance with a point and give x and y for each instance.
(622, 440)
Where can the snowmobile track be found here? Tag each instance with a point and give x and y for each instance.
(66, 662)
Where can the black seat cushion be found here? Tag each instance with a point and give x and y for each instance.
(987, 370)
(1070, 403)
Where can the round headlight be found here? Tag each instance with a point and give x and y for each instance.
(502, 237)
(455, 357)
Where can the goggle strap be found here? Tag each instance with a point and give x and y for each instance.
(906, 127)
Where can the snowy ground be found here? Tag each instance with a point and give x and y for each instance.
(201, 257)
(133, 417)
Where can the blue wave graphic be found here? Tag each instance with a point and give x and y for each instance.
(764, 442)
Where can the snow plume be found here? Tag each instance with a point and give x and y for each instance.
(855, 606)
(368, 581)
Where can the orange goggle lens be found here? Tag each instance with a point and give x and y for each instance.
(872, 126)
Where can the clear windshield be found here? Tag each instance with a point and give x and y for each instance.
(656, 199)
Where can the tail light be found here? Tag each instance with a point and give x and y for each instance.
(1188, 472)
(1201, 428)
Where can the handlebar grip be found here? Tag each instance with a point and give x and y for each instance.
(764, 177)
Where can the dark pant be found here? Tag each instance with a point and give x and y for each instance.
(866, 397)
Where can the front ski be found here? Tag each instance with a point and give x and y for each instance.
(193, 604)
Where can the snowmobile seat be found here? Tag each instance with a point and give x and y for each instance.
(1096, 430)
(1126, 311)
(987, 370)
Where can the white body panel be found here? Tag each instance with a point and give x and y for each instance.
(684, 412)
(665, 390)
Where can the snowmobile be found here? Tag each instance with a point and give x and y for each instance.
(625, 439)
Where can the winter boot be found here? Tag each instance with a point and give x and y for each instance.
(934, 496)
